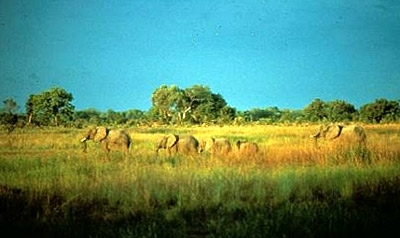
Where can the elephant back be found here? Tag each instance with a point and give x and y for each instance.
(119, 135)
(222, 145)
(188, 144)
(101, 133)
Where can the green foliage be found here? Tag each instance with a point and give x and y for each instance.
(382, 110)
(339, 111)
(290, 116)
(51, 107)
(271, 114)
(197, 104)
(315, 111)
(165, 102)
(92, 116)
(8, 116)
(333, 111)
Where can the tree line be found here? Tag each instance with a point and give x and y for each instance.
(195, 105)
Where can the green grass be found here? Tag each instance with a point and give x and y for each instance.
(48, 187)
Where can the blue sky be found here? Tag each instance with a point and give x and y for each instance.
(255, 53)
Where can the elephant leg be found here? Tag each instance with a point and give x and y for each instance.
(84, 148)
(104, 146)
(173, 150)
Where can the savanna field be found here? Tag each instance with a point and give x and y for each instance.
(291, 188)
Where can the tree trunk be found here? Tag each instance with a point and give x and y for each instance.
(30, 119)
(56, 120)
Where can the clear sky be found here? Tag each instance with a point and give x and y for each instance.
(255, 53)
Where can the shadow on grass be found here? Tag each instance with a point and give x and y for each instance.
(372, 210)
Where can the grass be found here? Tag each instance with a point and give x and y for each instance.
(48, 187)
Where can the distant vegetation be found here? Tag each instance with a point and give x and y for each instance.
(196, 105)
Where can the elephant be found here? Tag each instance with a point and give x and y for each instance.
(184, 144)
(247, 147)
(220, 146)
(354, 134)
(109, 139)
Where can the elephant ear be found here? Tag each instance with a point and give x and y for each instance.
(101, 133)
(321, 132)
(209, 143)
(334, 132)
(171, 140)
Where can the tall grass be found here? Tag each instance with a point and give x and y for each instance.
(290, 188)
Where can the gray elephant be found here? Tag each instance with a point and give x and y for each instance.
(183, 144)
(220, 146)
(353, 134)
(247, 147)
(109, 139)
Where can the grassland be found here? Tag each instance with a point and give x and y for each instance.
(48, 187)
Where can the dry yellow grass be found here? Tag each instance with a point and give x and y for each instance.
(279, 145)
(288, 170)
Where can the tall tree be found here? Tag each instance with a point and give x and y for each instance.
(31, 107)
(165, 101)
(50, 106)
(204, 106)
(196, 104)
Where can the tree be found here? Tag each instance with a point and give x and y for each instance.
(30, 105)
(195, 101)
(112, 117)
(87, 116)
(8, 114)
(136, 116)
(339, 110)
(196, 104)
(288, 115)
(380, 110)
(51, 106)
(165, 101)
(10, 106)
(269, 115)
(315, 111)
(227, 114)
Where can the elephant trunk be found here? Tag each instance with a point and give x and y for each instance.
(316, 135)
(314, 138)
(84, 146)
(157, 149)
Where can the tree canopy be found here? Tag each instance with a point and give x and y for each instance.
(50, 107)
(382, 110)
(332, 111)
(197, 104)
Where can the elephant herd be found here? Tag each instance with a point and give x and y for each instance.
(187, 144)
(110, 139)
